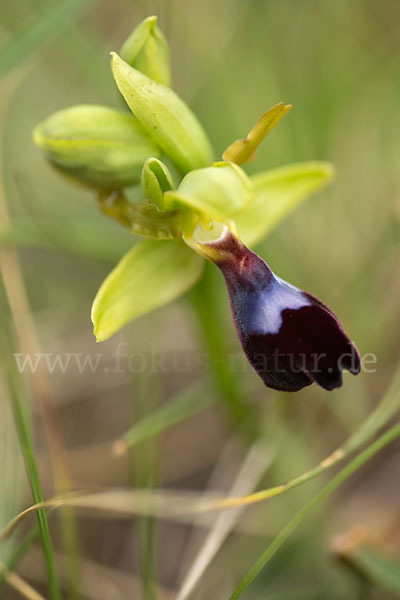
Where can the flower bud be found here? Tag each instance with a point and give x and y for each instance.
(146, 50)
(95, 145)
(290, 337)
(168, 120)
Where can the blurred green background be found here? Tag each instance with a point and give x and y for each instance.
(338, 63)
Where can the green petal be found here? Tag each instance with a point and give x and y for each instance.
(165, 116)
(150, 275)
(146, 49)
(277, 193)
(219, 191)
(96, 145)
(241, 151)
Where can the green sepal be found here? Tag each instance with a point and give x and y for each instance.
(219, 191)
(144, 218)
(155, 180)
(150, 275)
(277, 193)
(147, 50)
(95, 145)
(165, 117)
(241, 151)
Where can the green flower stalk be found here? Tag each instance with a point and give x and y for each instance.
(207, 210)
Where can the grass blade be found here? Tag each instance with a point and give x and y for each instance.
(256, 461)
(21, 586)
(146, 392)
(381, 415)
(17, 555)
(326, 491)
(55, 18)
(186, 404)
(24, 432)
(374, 565)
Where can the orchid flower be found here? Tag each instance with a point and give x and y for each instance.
(196, 208)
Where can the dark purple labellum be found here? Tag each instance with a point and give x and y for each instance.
(289, 336)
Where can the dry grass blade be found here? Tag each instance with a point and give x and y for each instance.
(124, 503)
(15, 291)
(364, 456)
(167, 504)
(28, 340)
(98, 580)
(379, 417)
(12, 469)
(221, 478)
(254, 465)
(20, 585)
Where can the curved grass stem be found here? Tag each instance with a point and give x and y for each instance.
(22, 423)
(379, 417)
(326, 491)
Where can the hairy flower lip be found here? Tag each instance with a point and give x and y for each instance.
(289, 336)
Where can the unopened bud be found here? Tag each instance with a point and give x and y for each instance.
(146, 49)
(95, 145)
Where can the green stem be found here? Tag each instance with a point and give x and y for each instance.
(145, 471)
(25, 435)
(204, 300)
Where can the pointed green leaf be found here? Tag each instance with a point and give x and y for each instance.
(156, 179)
(219, 191)
(277, 193)
(165, 116)
(96, 145)
(146, 49)
(150, 275)
(241, 151)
